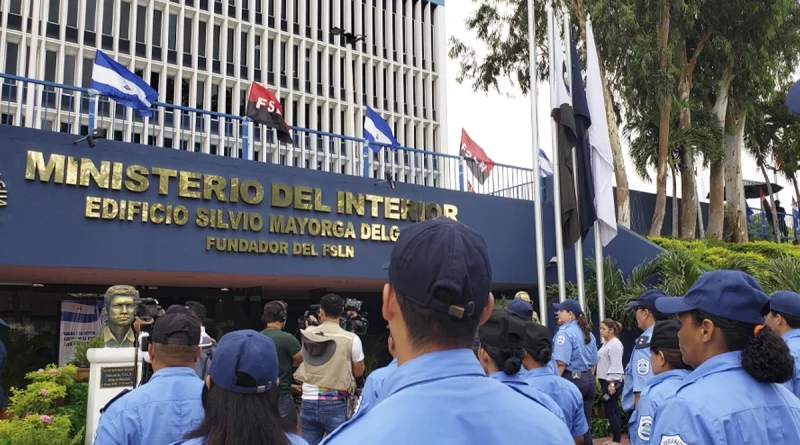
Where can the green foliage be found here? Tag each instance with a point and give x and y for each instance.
(80, 358)
(38, 430)
(75, 406)
(781, 273)
(61, 376)
(37, 398)
(26, 351)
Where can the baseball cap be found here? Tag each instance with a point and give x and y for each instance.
(503, 329)
(537, 337)
(647, 300)
(784, 302)
(442, 254)
(665, 334)
(569, 305)
(245, 362)
(521, 309)
(730, 294)
(170, 324)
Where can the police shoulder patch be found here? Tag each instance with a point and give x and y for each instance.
(560, 340)
(672, 440)
(642, 342)
(645, 425)
(643, 366)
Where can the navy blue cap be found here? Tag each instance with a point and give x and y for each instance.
(784, 302)
(503, 329)
(569, 305)
(245, 362)
(648, 299)
(442, 254)
(730, 294)
(665, 335)
(521, 308)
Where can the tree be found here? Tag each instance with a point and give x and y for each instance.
(502, 25)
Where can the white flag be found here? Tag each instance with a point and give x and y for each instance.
(602, 162)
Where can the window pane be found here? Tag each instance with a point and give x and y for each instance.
(157, 15)
(16, 7)
(54, 12)
(91, 7)
(72, 13)
(172, 36)
(124, 20)
(230, 45)
(50, 66)
(187, 36)
(245, 48)
(217, 32)
(86, 76)
(201, 94)
(69, 69)
(108, 17)
(141, 23)
(12, 53)
(201, 41)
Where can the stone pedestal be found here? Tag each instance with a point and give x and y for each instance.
(112, 371)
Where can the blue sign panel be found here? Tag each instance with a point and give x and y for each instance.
(135, 207)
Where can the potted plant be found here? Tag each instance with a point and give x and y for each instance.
(80, 358)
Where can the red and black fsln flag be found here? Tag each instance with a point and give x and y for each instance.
(264, 108)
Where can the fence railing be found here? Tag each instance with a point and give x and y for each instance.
(69, 109)
(760, 223)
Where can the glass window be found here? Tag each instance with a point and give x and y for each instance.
(108, 17)
(187, 35)
(91, 11)
(50, 59)
(172, 35)
(270, 55)
(69, 69)
(157, 15)
(54, 13)
(231, 38)
(201, 94)
(86, 75)
(283, 57)
(72, 13)
(16, 7)
(245, 48)
(12, 53)
(141, 23)
(201, 41)
(296, 61)
(170, 98)
(124, 20)
(215, 97)
(217, 32)
(258, 52)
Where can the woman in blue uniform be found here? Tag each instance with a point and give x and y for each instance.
(734, 396)
(572, 349)
(668, 373)
(502, 348)
(539, 351)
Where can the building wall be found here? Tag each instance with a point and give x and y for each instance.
(205, 53)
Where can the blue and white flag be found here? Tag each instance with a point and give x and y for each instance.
(113, 80)
(545, 166)
(80, 320)
(378, 130)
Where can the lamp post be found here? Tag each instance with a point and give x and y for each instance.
(350, 40)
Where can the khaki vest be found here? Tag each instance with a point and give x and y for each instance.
(336, 373)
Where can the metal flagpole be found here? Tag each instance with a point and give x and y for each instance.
(551, 26)
(579, 243)
(600, 273)
(537, 181)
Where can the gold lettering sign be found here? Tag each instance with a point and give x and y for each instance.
(3, 193)
(302, 212)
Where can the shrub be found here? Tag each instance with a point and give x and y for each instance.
(37, 398)
(75, 406)
(38, 430)
(61, 376)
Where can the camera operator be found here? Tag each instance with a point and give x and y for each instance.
(289, 356)
(170, 404)
(332, 359)
(207, 344)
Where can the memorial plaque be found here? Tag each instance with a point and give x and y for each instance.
(118, 377)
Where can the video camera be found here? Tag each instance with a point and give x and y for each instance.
(147, 310)
(353, 319)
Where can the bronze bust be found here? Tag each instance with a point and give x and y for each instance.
(120, 305)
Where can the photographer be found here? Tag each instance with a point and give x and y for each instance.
(170, 404)
(332, 359)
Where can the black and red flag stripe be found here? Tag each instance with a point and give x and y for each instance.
(264, 108)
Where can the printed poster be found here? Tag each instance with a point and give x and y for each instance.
(80, 320)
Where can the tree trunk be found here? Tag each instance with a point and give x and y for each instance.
(716, 202)
(734, 188)
(700, 225)
(663, 128)
(775, 225)
(620, 174)
(675, 221)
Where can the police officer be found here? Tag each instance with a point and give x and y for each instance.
(637, 371)
(783, 316)
(437, 295)
(734, 395)
(501, 352)
(374, 383)
(169, 405)
(538, 352)
(572, 348)
(668, 373)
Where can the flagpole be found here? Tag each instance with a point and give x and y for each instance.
(537, 182)
(579, 243)
(562, 291)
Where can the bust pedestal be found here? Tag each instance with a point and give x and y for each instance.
(112, 371)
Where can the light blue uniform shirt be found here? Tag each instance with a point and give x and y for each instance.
(569, 347)
(661, 387)
(638, 371)
(566, 396)
(445, 398)
(553, 366)
(294, 439)
(590, 349)
(162, 411)
(720, 403)
(518, 383)
(792, 339)
(372, 387)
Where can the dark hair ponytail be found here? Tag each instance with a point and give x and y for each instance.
(542, 353)
(765, 355)
(612, 324)
(509, 360)
(583, 323)
(673, 357)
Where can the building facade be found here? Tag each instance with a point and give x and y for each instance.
(203, 54)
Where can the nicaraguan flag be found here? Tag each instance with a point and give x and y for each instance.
(377, 131)
(113, 80)
(545, 166)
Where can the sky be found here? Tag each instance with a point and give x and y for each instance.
(501, 125)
